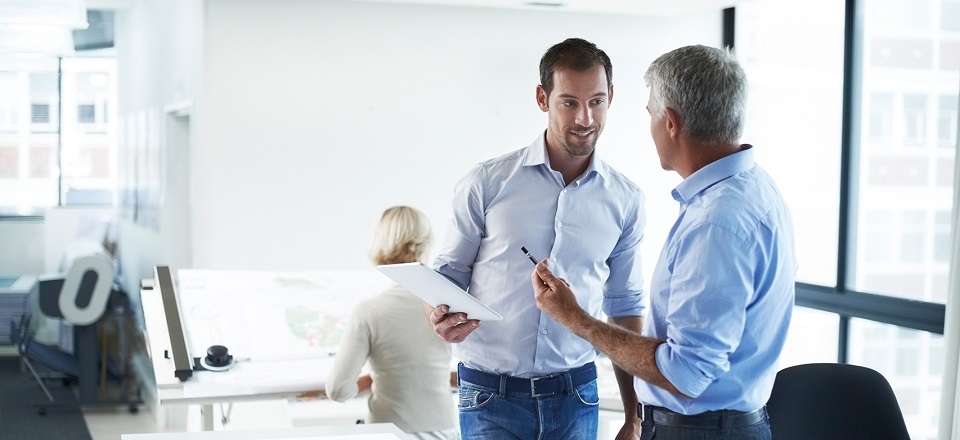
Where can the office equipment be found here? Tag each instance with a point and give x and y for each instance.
(436, 289)
(80, 298)
(834, 402)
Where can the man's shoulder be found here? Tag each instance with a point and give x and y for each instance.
(497, 167)
(509, 158)
(615, 177)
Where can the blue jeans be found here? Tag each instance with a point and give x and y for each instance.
(485, 414)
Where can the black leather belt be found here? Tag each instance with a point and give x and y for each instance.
(534, 386)
(710, 419)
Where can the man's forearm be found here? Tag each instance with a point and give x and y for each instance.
(628, 396)
(633, 353)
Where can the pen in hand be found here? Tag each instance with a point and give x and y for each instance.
(527, 253)
(534, 260)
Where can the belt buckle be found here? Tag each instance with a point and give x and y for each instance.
(533, 386)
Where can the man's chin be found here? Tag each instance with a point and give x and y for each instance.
(580, 148)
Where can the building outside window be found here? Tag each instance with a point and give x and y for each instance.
(904, 127)
(48, 159)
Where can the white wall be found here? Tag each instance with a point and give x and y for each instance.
(317, 115)
(159, 56)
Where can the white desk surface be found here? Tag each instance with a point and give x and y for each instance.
(271, 376)
(373, 431)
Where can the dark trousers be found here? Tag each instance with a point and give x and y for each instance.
(663, 424)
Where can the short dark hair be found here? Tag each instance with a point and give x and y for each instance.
(576, 54)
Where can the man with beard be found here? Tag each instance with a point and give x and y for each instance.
(527, 376)
(722, 292)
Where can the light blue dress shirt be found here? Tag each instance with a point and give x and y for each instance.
(591, 230)
(722, 291)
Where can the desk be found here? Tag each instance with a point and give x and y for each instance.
(282, 328)
(375, 431)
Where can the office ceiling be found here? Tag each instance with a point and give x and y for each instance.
(627, 7)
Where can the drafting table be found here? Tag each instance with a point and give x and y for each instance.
(282, 329)
(375, 431)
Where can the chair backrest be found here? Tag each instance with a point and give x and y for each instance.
(834, 402)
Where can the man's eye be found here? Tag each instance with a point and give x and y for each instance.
(598, 102)
(569, 104)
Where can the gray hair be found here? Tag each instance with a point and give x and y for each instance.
(706, 87)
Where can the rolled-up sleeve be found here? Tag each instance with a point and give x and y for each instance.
(623, 292)
(707, 307)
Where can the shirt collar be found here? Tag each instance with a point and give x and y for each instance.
(537, 155)
(714, 172)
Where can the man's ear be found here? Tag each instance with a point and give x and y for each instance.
(674, 125)
(542, 99)
(610, 96)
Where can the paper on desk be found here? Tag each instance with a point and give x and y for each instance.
(270, 314)
(257, 378)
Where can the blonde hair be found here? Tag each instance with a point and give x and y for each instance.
(402, 236)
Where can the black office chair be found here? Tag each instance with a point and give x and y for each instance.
(834, 402)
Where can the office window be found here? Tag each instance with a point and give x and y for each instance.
(9, 161)
(911, 361)
(73, 155)
(897, 188)
(794, 115)
(950, 15)
(880, 119)
(896, 171)
(86, 114)
(40, 113)
(914, 120)
(41, 161)
(950, 55)
(812, 337)
(947, 121)
(880, 246)
(910, 173)
(941, 239)
(913, 242)
(915, 15)
(8, 102)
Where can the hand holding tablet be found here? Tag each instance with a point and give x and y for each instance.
(435, 289)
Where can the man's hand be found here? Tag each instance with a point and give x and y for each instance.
(451, 327)
(553, 296)
(630, 429)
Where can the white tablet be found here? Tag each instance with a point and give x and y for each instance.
(436, 289)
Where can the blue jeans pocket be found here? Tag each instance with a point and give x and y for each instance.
(473, 398)
(587, 394)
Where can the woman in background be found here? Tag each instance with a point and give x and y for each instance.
(411, 366)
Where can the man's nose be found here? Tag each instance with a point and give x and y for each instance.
(585, 117)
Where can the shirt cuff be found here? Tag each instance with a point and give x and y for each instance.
(687, 379)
